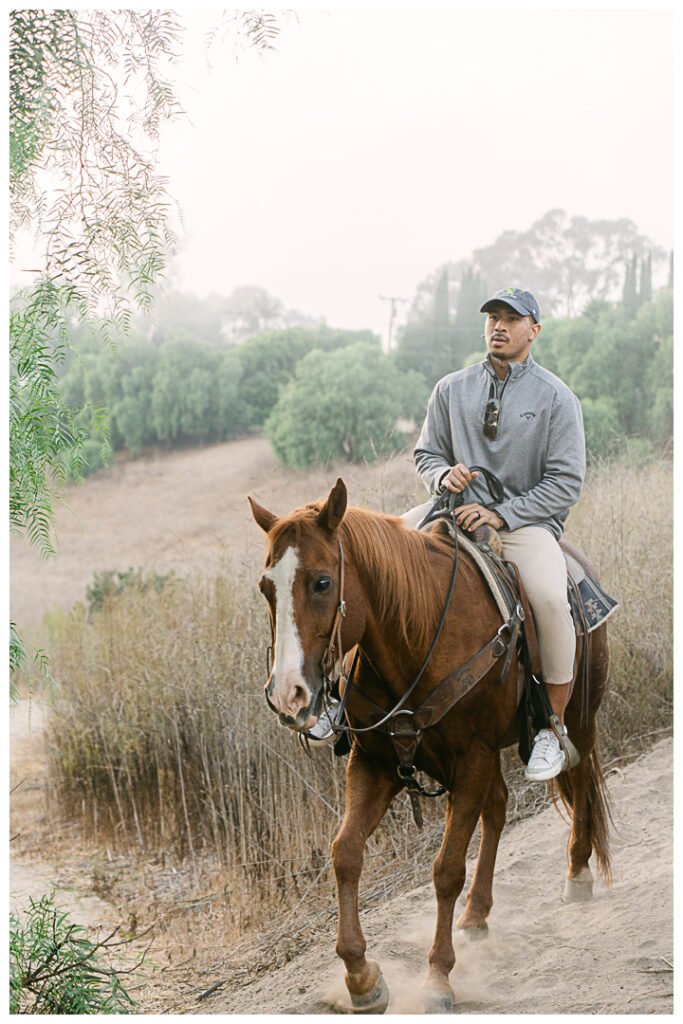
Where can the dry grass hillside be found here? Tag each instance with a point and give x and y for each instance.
(185, 511)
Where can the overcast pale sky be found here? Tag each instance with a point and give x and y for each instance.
(375, 145)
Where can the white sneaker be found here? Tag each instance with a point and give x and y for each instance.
(322, 732)
(547, 757)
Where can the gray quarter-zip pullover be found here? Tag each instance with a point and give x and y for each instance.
(539, 453)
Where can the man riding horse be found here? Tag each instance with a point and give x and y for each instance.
(523, 424)
(433, 685)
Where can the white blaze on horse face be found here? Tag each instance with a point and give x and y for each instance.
(290, 692)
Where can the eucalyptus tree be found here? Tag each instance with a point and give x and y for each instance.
(350, 403)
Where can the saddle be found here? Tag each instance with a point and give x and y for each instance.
(505, 584)
(590, 607)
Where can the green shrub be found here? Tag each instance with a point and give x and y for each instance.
(344, 404)
(111, 583)
(56, 969)
(268, 361)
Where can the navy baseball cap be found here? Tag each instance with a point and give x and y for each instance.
(522, 302)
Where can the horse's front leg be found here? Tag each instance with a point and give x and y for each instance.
(369, 791)
(471, 785)
(480, 896)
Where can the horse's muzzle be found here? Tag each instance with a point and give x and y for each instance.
(303, 720)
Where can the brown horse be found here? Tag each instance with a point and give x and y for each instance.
(394, 589)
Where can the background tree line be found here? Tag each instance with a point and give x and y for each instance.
(180, 389)
(569, 260)
(615, 354)
(323, 394)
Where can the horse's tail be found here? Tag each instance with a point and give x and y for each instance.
(598, 810)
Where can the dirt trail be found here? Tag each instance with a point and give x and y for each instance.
(31, 874)
(610, 955)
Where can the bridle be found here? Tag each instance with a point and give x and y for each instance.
(332, 662)
(334, 645)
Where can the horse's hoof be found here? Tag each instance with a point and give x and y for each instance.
(438, 999)
(579, 889)
(474, 933)
(439, 1002)
(374, 1001)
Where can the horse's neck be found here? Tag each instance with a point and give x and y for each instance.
(391, 653)
(397, 657)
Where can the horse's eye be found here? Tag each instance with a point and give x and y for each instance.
(321, 585)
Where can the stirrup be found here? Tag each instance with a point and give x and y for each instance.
(566, 744)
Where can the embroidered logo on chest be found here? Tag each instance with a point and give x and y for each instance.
(527, 415)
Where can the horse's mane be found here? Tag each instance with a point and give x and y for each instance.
(407, 590)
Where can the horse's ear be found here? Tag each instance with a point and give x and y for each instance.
(332, 512)
(263, 517)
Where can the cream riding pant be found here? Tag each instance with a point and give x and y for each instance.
(543, 571)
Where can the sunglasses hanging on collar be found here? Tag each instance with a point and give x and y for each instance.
(492, 410)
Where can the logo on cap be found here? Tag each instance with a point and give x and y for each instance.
(522, 302)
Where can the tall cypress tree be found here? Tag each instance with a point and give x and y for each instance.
(629, 298)
(467, 327)
(645, 290)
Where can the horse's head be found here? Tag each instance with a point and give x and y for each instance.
(301, 584)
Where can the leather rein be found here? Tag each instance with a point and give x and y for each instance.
(404, 726)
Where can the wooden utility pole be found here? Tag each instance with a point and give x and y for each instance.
(393, 300)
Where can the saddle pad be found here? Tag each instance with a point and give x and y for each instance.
(597, 605)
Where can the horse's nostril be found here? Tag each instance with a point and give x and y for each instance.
(300, 696)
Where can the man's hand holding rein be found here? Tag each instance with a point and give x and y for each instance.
(457, 478)
(470, 516)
